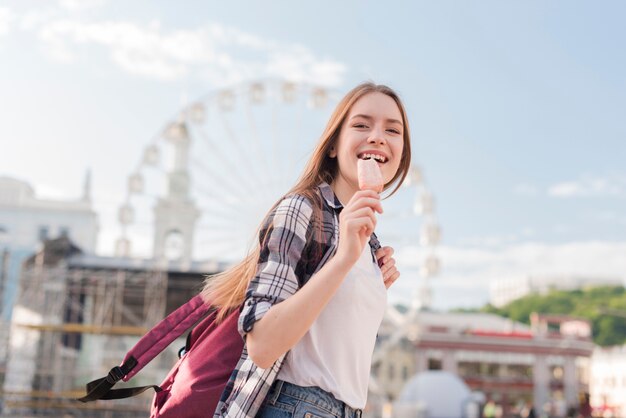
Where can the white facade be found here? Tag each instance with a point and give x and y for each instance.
(503, 291)
(26, 220)
(608, 379)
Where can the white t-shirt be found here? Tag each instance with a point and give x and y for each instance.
(336, 353)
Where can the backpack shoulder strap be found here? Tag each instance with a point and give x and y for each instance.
(147, 348)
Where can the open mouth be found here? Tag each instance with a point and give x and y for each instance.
(379, 158)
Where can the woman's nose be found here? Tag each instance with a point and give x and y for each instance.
(377, 137)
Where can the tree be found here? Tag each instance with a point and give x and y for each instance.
(604, 307)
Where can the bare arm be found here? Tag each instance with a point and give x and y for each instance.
(286, 322)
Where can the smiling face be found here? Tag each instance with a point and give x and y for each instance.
(372, 129)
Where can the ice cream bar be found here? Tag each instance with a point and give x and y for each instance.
(370, 177)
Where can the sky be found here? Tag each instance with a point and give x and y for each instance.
(515, 108)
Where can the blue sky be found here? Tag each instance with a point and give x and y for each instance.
(516, 109)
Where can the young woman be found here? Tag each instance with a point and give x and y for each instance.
(312, 292)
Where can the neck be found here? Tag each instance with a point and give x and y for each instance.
(343, 189)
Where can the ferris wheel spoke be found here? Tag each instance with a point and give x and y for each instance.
(222, 211)
(237, 205)
(260, 186)
(224, 246)
(280, 165)
(234, 230)
(210, 226)
(237, 179)
(217, 236)
(257, 142)
(296, 135)
(227, 183)
(242, 150)
(218, 187)
(227, 210)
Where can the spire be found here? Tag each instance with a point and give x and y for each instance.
(87, 186)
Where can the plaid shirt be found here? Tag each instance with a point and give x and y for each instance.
(285, 264)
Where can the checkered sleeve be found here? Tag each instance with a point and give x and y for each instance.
(280, 260)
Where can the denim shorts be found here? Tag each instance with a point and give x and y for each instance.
(286, 400)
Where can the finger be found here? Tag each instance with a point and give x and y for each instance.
(383, 255)
(379, 253)
(359, 202)
(390, 273)
(366, 215)
(357, 225)
(388, 265)
(366, 202)
(387, 253)
(361, 213)
(392, 279)
(365, 193)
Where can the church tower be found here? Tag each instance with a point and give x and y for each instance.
(176, 214)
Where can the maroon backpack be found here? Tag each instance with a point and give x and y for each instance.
(194, 385)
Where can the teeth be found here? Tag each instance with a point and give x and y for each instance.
(374, 156)
(378, 158)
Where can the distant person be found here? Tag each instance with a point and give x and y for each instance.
(585, 409)
(572, 411)
(312, 291)
(527, 410)
(489, 410)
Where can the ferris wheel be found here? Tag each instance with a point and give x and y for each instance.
(205, 181)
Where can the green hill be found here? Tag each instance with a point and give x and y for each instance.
(604, 306)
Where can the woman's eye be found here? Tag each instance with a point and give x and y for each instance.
(360, 125)
(395, 131)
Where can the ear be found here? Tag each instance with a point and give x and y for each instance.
(332, 153)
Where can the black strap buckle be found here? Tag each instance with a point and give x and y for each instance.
(115, 375)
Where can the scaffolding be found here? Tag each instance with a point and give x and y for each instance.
(76, 317)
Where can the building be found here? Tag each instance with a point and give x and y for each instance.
(504, 291)
(26, 221)
(77, 315)
(608, 380)
(546, 363)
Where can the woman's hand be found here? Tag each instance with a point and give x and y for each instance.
(357, 221)
(387, 265)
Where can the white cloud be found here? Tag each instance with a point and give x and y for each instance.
(32, 19)
(221, 54)
(489, 240)
(590, 186)
(474, 269)
(7, 17)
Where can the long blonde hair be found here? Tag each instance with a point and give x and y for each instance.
(226, 290)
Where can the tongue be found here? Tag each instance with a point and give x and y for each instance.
(370, 177)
